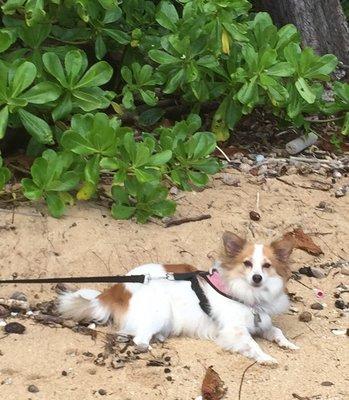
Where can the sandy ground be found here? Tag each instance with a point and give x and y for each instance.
(87, 241)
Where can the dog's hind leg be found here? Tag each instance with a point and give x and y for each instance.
(275, 335)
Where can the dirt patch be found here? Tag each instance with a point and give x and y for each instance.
(88, 241)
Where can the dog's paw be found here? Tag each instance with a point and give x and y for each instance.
(288, 345)
(267, 360)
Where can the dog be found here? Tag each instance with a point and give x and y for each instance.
(247, 288)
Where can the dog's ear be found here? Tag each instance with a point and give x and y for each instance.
(233, 243)
(282, 248)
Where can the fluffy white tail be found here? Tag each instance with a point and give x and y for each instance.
(83, 305)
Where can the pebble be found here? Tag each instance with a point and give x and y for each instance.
(345, 270)
(2, 323)
(231, 180)
(6, 381)
(92, 326)
(33, 389)
(327, 383)
(167, 370)
(102, 392)
(174, 190)
(68, 323)
(92, 371)
(340, 304)
(292, 170)
(336, 174)
(305, 316)
(255, 216)
(3, 312)
(317, 273)
(259, 158)
(18, 296)
(317, 306)
(247, 161)
(245, 167)
(341, 192)
(263, 170)
(14, 327)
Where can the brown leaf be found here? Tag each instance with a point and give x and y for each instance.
(304, 242)
(212, 386)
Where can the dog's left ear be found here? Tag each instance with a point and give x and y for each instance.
(233, 243)
(283, 248)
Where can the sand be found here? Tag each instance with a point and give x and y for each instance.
(87, 241)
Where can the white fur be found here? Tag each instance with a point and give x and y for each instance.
(162, 308)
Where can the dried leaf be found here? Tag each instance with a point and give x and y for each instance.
(212, 386)
(304, 242)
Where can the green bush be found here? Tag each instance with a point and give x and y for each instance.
(62, 61)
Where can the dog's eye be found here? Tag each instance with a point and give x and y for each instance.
(266, 265)
(248, 264)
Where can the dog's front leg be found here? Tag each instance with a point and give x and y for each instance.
(275, 335)
(239, 340)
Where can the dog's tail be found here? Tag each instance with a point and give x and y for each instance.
(83, 305)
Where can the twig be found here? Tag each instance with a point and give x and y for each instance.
(303, 284)
(179, 221)
(106, 266)
(242, 378)
(323, 121)
(284, 181)
(257, 202)
(222, 152)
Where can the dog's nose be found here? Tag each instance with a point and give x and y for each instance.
(257, 278)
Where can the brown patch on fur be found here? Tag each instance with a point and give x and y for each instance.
(280, 267)
(179, 268)
(117, 299)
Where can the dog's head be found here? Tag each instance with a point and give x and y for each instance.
(256, 272)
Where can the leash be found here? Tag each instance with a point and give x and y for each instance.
(192, 277)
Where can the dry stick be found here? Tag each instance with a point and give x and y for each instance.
(243, 376)
(322, 121)
(222, 152)
(284, 181)
(174, 221)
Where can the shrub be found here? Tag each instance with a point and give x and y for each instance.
(64, 61)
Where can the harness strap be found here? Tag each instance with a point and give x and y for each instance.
(82, 279)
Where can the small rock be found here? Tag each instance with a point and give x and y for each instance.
(92, 326)
(2, 323)
(6, 381)
(231, 180)
(18, 296)
(345, 270)
(337, 174)
(68, 323)
(340, 304)
(341, 192)
(14, 327)
(247, 161)
(174, 190)
(116, 363)
(64, 373)
(167, 358)
(167, 370)
(339, 332)
(327, 383)
(102, 392)
(263, 170)
(259, 158)
(4, 312)
(273, 173)
(92, 371)
(305, 316)
(292, 170)
(169, 378)
(317, 273)
(255, 216)
(33, 389)
(245, 167)
(317, 306)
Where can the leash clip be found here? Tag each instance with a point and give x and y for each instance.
(147, 279)
(170, 276)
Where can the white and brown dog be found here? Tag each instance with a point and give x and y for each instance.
(245, 290)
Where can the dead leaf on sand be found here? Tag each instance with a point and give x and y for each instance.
(212, 386)
(304, 242)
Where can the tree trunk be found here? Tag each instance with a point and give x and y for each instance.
(322, 23)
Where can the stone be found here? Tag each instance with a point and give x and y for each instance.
(14, 327)
(4, 312)
(259, 158)
(231, 180)
(263, 169)
(245, 167)
(18, 296)
(317, 273)
(317, 306)
(337, 174)
(305, 316)
(345, 270)
(327, 383)
(340, 304)
(33, 389)
(102, 392)
(69, 323)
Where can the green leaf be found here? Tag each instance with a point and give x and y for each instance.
(198, 178)
(164, 208)
(119, 36)
(305, 91)
(248, 94)
(42, 93)
(63, 109)
(6, 39)
(142, 155)
(3, 121)
(174, 82)
(36, 126)
(30, 190)
(160, 158)
(54, 66)
(55, 204)
(148, 97)
(282, 69)
(23, 77)
(119, 211)
(151, 116)
(75, 62)
(161, 57)
(167, 16)
(100, 47)
(119, 195)
(97, 75)
(126, 74)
